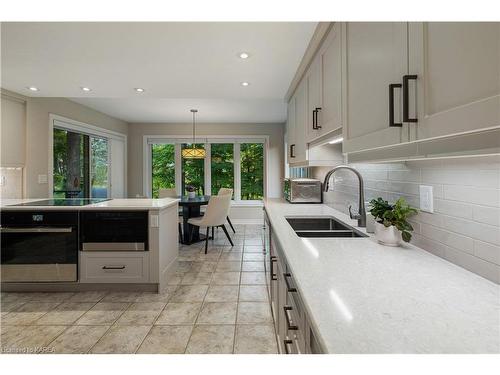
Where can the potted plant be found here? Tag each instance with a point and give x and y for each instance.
(191, 191)
(391, 224)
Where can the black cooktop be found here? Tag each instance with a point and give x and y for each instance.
(64, 202)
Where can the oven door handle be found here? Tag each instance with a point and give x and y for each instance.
(37, 230)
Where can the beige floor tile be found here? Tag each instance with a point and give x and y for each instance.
(231, 256)
(253, 242)
(91, 296)
(254, 312)
(258, 249)
(222, 293)
(166, 340)
(174, 280)
(51, 297)
(190, 293)
(179, 313)
(29, 339)
(103, 313)
(6, 307)
(225, 266)
(217, 313)
(207, 339)
(253, 278)
(208, 267)
(184, 266)
(15, 297)
(255, 339)
(121, 297)
(196, 278)
(28, 313)
(253, 257)
(121, 339)
(210, 257)
(65, 314)
(78, 339)
(196, 267)
(141, 313)
(253, 267)
(156, 297)
(237, 248)
(226, 278)
(253, 293)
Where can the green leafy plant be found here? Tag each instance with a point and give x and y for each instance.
(396, 214)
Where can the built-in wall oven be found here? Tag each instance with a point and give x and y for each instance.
(114, 230)
(39, 246)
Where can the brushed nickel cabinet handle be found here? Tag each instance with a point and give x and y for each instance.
(286, 343)
(113, 267)
(289, 289)
(289, 324)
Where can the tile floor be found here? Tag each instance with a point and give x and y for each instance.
(215, 303)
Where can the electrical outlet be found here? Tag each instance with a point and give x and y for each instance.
(426, 198)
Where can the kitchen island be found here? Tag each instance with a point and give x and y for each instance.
(353, 295)
(115, 244)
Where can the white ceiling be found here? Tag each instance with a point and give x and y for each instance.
(180, 65)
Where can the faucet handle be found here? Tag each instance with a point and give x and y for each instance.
(354, 216)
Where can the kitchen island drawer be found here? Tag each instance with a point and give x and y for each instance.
(114, 267)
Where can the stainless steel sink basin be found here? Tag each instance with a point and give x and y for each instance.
(324, 226)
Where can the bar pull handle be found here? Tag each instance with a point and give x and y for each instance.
(36, 230)
(113, 267)
(274, 277)
(289, 324)
(406, 98)
(314, 119)
(393, 86)
(289, 289)
(292, 149)
(286, 343)
(317, 111)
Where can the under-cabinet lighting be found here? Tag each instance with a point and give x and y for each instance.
(244, 55)
(32, 88)
(334, 141)
(245, 84)
(138, 89)
(86, 89)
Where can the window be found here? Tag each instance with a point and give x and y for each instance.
(222, 166)
(238, 164)
(252, 171)
(162, 167)
(193, 172)
(80, 165)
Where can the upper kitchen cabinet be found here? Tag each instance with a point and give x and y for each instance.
(13, 131)
(456, 71)
(375, 58)
(290, 130)
(324, 87)
(301, 111)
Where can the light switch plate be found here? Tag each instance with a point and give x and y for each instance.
(426, 198)
(42, 179)
(154, 221)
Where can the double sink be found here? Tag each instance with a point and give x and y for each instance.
(323, 226)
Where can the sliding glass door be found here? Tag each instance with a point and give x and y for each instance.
(81, 165)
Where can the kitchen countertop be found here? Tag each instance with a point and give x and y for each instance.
(112, 204)
(363, 297)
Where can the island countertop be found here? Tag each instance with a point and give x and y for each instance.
(362, 297)
(111, 204)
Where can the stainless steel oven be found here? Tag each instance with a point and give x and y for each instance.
(39, 246)
(114, 230)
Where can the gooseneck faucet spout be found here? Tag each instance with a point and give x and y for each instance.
(361, 215)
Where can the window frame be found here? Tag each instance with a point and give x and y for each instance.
(237, 140)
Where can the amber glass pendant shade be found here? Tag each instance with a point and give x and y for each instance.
(193, 153)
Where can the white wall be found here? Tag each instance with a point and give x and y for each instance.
(465, 227)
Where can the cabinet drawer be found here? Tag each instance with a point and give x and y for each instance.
(115, 267)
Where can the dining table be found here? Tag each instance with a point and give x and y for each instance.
(191, 207)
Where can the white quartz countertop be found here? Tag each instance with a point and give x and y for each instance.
(363, 297)
(112, 204)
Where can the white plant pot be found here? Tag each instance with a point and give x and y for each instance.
(191, 194)
(388, 236)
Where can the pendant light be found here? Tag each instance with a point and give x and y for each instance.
(193, 152)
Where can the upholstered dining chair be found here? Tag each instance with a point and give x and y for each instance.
(225, 191)
(172, 193)
(215, 216)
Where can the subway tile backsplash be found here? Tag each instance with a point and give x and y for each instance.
(465, 225)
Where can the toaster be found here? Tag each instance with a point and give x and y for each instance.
(303, 190)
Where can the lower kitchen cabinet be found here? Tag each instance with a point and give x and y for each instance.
(114, 267)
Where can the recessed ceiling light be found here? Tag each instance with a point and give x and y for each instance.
(32, 88)
(244, 55)
(245, 83)
(138, 89)
(86, 89)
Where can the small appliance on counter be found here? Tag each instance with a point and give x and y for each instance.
(303, 190)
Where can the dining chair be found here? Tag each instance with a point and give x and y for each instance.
(172, 193)
(215, 216)
(225, 191)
